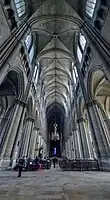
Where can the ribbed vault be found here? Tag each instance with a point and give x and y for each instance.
(57, 24)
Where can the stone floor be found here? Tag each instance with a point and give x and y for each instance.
(55, 185)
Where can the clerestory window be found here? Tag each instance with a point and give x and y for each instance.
(31, 54)
(79, 54)
(82, 41)
(90, 7)
(28, 41)
(75, 75)
(81, 47)
(20, 6)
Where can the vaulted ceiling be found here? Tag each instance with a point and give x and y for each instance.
(57, 25)
(77, 5)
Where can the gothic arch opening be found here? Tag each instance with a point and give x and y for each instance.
(100, 92)
(11, 90)
(55, 129)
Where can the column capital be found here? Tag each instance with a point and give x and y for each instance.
(35, 128)
(73, 130)
(80, 120)
(20, 102)
(91, 102)
(30, 119)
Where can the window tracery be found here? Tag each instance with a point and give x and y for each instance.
(20, 6)
(31, 53)
(90, 7)
(28, 41)
(81, 47)
(79, 54)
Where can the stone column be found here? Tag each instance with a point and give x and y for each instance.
(34, 139)
(66, 149)
(17, 147)
(30, 143)
(45, 148)
(27, 136)
(7, 132)
(74, 143)
(4, 127)
(22, 139)
(39, 140)
(43, 144)
(99, 139)
(92, 153)
(72, 147)
(36, 144)
(106, 125)
(69, 147)
(13, 131)
(76, 147)
(78, 140)
(84, 143)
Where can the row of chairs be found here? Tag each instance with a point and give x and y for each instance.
(79, 165)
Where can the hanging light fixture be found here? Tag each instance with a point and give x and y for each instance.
(55, 134)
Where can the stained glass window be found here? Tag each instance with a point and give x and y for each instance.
(82, 41)
(28, 41)
(31, 54)
(75, 74)
(90, 7)
(79, 54)
(20, 6)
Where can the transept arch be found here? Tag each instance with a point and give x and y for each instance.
(99, 88)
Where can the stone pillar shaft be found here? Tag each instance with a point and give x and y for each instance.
(84, 139)
(33, 142)
(13, 131)
(104, 150)
(17, 147)
(89, 142)
(25, 139)
(6, 129)
(79, 143)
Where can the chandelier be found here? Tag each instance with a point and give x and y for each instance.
(55, 134)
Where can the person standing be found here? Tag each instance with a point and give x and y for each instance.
(21, 164)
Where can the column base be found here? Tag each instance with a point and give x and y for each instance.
(13, 163)
(5, 164)
(105, 164)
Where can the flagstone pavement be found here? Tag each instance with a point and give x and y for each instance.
(55, 185)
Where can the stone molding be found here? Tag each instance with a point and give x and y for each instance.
(21, 102)
(99, 42)
(11, 42)
(80, 120)
(35, 128)
(91, 103)
(30, 119)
